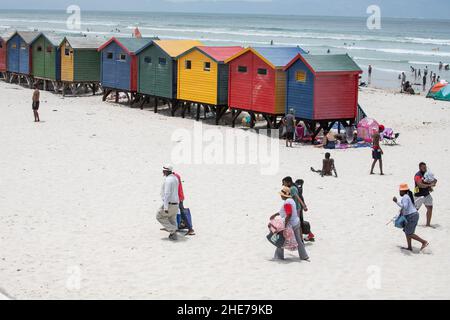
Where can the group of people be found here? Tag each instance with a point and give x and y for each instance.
(410, 204)
(290, 221)
(172, 195)
(406, 86)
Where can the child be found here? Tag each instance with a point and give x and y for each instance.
(429, 177)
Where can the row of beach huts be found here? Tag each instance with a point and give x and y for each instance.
(185, 74)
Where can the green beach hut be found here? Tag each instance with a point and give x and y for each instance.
(80, 63)
(158, 67)
(46, 60)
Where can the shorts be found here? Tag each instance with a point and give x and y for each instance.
(36, 105)
(426, 200)
(411, 223)
(290, 135)
(376, 154)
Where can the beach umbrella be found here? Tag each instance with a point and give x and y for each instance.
(436, 88)
(443, 94)
(366, 128)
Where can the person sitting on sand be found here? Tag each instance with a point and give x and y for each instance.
(409, 211)
(288, 213)
(328, 141)
(36, 102)
(328, 167)
(377, 152)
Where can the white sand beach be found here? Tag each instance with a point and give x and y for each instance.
(79, 193)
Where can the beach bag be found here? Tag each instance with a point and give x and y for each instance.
(277, 239)
(184, 223)
(306, 227)
(400, 222)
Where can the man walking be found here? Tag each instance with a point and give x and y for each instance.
(167, 214)
(422, 194)
(36, 102)
(289, 124)
(184, 217)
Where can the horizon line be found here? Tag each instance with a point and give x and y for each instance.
(229, 13)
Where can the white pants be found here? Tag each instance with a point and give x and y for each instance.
(168, 219)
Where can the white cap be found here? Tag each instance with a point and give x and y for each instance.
(168, 168)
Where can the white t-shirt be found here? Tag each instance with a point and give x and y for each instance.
(406, 205)
(295, 220)
(169, 191)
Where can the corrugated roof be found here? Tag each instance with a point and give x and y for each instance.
(279, 56)
(134, 44)
(29, 36)
(176, 47)
(331, 62)
(220, 53)
(85, 42)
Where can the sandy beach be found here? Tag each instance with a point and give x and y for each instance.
(79, 193)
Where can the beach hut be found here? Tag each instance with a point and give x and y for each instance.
(3, 39)
(323, 89)
(158, 68)
(46, 61)
(119, 66)
(80, 63)
(18, 52)
(257, 82)
(203, 79)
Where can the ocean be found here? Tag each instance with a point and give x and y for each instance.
(398, 45)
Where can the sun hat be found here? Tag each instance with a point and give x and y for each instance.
(285, 192)
(168, 168)
(404, 187)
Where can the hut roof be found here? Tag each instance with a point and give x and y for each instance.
(276, 57)
(176, 47)
(27, 36)
(130, 45)
(84, 42)
(217, 53)
(6, 35)
(328, 63)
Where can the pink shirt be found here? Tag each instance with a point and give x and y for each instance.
(180, 187)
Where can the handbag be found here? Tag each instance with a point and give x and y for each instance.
(306, 227)
(277, 239)
(400, 222)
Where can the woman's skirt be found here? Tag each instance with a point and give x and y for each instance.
(411, 223)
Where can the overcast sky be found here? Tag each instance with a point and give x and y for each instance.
(389, 8)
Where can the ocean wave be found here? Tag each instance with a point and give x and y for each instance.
(398, 51)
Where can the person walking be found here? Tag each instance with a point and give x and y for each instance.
(370, 73)
(36, 102)
(377, 152)
(424, 82)
(187, 220)
(423, 192)
(167, 214)
(409, 212)
(310, 236)
(288, 213)
(289, 122)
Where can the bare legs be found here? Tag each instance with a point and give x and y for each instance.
(418, 239)
(373, 166)
(429, 215)
(36, 116)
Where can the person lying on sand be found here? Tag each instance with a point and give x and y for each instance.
(328, 167)
(409, 211)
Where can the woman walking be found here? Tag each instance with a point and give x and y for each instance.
(409, 211)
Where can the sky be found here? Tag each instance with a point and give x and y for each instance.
(439, 9)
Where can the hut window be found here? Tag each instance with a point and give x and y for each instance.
(242, 69)
(300, 76)
(109, 55)
(14, 46)
(207, 66)
(262, 72)
(49, 49)
(162, 61)
(39, 49)
(188, 64)
(122, 57)
(148, 60)
(67, 52)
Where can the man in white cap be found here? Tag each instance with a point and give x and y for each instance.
(167, 214)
